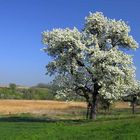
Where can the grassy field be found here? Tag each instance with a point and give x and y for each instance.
(53, 120)
(25, 128)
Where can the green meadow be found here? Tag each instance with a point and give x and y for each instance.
(24, 127)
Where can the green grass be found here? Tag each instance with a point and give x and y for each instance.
(33, 128)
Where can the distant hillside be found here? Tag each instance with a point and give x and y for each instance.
(22, 92)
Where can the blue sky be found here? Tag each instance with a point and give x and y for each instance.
(21, 24)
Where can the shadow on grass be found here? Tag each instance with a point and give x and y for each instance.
(66, 121)
(38, 119)
(25, 119)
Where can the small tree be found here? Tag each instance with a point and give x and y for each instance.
(93, 58)
(105, 104)
(12, 86)
(133, 95)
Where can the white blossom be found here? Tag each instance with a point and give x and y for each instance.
(93, 53)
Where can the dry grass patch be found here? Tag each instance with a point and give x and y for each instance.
(38, 106)
(48, 108)
(121, 105)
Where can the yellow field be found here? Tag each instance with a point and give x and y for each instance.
(38, 106)
(121, 105)
(45, 107)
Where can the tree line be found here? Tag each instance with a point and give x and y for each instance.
(38, 92)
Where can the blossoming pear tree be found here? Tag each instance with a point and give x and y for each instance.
(94, 58)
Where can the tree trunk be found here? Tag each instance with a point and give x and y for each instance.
(134, 104)
(88, 109)
(93, 109)
(108, 107)
(94, 103)
(133, 107)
